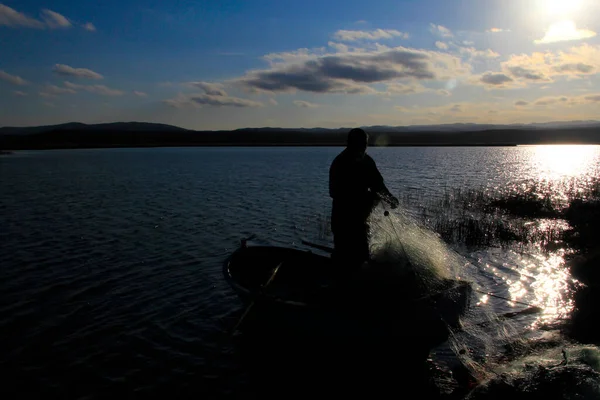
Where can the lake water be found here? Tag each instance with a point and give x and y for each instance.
(110, 259)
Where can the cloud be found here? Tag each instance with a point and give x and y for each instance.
(456, 108)
(400, 88)
(526, 73)
(443, 92)
(378, 34)
(140, 94)
(96, 89)
(442, 45)
(474, 53)
(305, 104)
(339, 47)
(440, 30)
(293, 56)
(213, 89)
(89, 27)
(565, 31)
(495, 79)
(55, 20)
(497, 30)
(66, 70)
(539, 67)
(352, 72)
(214, 95)
(273, 102)
(521, 103)
(15, 80)
(581, 60)
(19, 93)
(12, 18)
(199, 100)
(580, 68)
(49, 19)
(56, 90)
(547, 101)
(593, 98)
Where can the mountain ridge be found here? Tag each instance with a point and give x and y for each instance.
(150, 126)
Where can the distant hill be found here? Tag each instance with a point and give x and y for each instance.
(72, 126)
(141, 134)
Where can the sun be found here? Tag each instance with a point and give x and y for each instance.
(560, 7)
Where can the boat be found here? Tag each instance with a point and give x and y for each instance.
(305, 292)
(309, 326)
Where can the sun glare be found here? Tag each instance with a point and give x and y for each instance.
(555, 161)
(560, 7)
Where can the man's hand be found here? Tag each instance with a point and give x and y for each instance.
(394, 202)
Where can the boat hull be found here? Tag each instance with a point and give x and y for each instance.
(310, 297)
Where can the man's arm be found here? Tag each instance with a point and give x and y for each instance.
(333, 180)
(378, 185)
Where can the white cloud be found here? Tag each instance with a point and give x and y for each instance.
(89, 27)
(273, 102)
(15, 80)
(378, 34)
(339, 47)
(440, 30)
(19, 93)
(66, 70)
(55, 20)
(565, 31)
(97, 89)
(305, 104)
(442, 45)
(12, 18)
(139, 94)
(293, 56)
(474, 53)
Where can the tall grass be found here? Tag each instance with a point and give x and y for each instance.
(523, 215)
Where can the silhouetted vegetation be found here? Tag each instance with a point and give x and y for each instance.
(528, 215)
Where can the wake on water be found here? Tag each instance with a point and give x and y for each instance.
(500, 358)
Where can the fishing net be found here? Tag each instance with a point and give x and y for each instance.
(487, 347)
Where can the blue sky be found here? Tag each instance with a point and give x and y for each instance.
(232, 63)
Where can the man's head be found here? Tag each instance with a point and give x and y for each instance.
(357, 141)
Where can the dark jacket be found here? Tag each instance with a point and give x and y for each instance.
(355, 185)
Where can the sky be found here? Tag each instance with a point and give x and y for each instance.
(231, 64)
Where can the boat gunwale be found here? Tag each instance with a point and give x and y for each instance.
(246, 293)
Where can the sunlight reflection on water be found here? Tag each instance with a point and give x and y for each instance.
(556, 162)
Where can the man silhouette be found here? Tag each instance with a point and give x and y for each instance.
(356, 186)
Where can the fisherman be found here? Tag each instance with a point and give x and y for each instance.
(356, 186)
